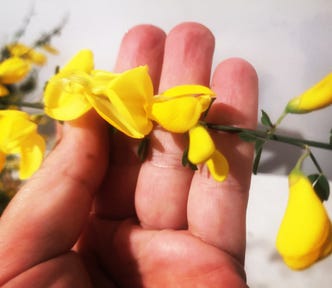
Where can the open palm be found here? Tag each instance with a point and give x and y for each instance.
(95, 216)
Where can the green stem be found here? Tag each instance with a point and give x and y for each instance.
(36, 105)
(314, 160)
(282, 116)
(273, 137)
(304, 155)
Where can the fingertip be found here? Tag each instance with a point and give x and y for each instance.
(235, 82)
(189, 49)
(143, 38)
(235, 66)
(142, 45)
(195, 28)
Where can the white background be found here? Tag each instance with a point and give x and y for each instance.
(288, 42)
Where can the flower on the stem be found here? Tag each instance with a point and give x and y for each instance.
(317, 97)
(65, 93)
(27, 53)
(19, 136)
(305, 234)
(203, 150)
(179, 109)
(3, 90)
(50, 49)
(13, 70)
(121, 99)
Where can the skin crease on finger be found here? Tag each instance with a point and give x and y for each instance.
(114, 250)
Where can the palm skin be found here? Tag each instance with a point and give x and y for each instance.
(94, 216)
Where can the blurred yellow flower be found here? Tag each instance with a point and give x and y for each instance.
(178, 109)
(317, 97)
(13, 70)
(19, 136)
(50, 49)
(121, 99)
(27, 53)
(305, 234)
(3, 91)
(203, 150)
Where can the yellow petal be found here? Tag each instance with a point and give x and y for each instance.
(317, 97)
(3, 91)
(19, 136)
(177, 115)
(13, 70)
(15, 126)
(18, 49)
(179, 108)
(187, 90)
(14, 113)
(82, 61)
(218, 166)
(37, 57)
(50, 49)
(201, 145)
(32, 153)
(65, 96)
(125, 103)
(304, 235)
(2, 160)
(101, 81)
(27, 53)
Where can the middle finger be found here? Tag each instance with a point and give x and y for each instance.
(163, 184)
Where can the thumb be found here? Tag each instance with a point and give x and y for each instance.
(46, 216)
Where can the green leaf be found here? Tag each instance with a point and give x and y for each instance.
(265, 119)
(247, 137)
(320, 185)
(258, 153)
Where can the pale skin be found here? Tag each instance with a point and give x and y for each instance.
(94, 216)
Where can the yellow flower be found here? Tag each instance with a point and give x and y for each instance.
(121, 99)
(50, 49)
(28, 53)
(305, 234)
(13, 70)
(19, 136)
(65, 94)
(317, 97)
(203, 150)
(124, 100)
(3, 91)
(178, 109)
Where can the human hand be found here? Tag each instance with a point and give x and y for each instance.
(94, 216)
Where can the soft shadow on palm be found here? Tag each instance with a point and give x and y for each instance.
(130, 256)
(118, 251)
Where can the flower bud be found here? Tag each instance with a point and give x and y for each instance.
(305, 234)
(317, 97)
